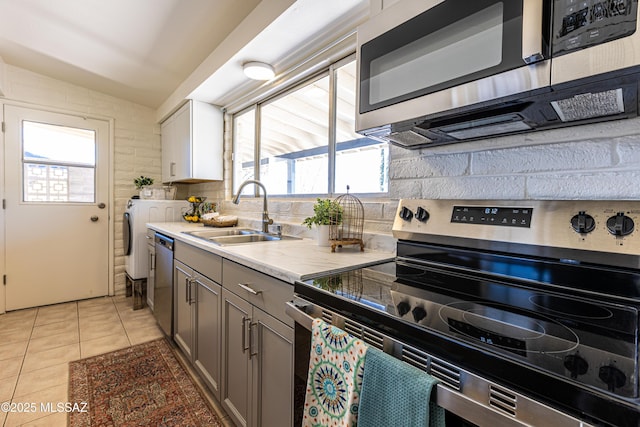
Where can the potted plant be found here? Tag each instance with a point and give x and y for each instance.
(141, 184)
(326, 212)
(143, 181)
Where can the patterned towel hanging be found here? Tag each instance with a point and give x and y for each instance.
(336, 367)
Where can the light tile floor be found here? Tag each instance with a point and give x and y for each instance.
(36, 346)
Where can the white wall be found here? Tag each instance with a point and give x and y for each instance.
(137, 149)
(2, 78)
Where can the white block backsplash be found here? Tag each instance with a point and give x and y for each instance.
(597, 161)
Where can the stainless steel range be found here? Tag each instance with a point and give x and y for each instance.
(526, 310)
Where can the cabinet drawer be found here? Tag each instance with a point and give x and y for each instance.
(205, 263)
(269, 294)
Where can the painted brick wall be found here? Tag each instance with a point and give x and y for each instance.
(599, 161)
(137, 149)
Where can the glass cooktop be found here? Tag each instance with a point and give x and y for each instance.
(587, 340)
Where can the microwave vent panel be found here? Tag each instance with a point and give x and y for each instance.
(590, 105)
(409, 138)
(488, 127)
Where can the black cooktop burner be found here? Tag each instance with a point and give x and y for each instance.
(570, 307)
(494, 325)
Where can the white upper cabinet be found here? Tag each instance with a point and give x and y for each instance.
(192, 140)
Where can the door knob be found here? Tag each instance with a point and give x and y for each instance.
(101, 205)
(94, 218)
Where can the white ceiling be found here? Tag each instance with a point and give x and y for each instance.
(144, 50)
(139, 50)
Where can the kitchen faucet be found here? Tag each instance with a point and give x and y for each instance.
(266, 221)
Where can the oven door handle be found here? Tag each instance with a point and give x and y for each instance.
(298, 315)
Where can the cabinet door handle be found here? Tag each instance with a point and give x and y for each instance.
(245, 347)
(249, 289)
(172, 169)
(186, 290)
(251, 353)
(152, 261)
(193, 295)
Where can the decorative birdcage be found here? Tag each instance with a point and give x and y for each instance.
(346, 224)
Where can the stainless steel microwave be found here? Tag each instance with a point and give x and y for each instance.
(434, 72)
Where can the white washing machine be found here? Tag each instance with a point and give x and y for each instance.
(138, 213)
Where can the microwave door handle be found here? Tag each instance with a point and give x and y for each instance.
(532, 31)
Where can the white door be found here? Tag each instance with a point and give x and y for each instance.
(57, 221)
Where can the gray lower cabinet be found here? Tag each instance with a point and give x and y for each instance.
(236, 365)
(272, 369)
(183, 324)
(257, 360)
(197, 316)
(206, 357)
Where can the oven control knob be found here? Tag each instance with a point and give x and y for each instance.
(620, 225)
(576, 365)
(406, 214)
(583, 223)
(403, 308)
(422, 214)
(612, 376)
(418, 313)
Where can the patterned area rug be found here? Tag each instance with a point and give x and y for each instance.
(144, 385)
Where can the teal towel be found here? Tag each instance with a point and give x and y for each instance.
(397, 394)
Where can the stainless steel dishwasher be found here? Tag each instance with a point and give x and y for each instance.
(163, 283)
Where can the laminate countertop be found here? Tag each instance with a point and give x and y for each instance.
(287, 260)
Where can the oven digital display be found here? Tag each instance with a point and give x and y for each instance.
(507, 343)
(491, 215)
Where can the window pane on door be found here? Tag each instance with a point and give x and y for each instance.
(58, 163)
(294, 141)
(361, 163)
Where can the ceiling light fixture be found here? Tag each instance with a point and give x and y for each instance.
(258, 70)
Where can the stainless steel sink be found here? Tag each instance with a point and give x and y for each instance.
(235, 236)
(208, 234)
(247, 238)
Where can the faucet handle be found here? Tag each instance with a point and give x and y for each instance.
(278, 228)
(266, 219)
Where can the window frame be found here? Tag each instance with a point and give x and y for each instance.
(256, 105)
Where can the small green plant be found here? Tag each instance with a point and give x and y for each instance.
(143, 181)
(326, 212)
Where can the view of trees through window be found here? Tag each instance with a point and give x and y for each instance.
(297, 148)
